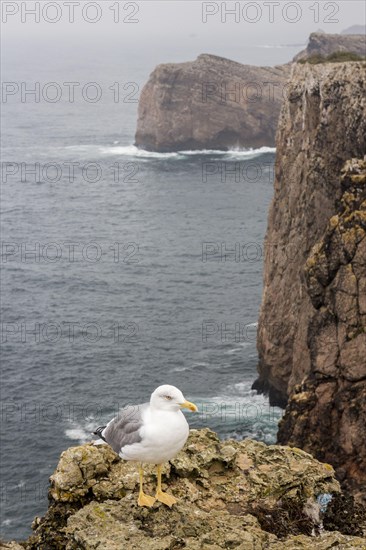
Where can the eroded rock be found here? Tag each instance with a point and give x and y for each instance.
(331, 425)
(220, 486)
(325, 44)
(210, 103)
(322, 125)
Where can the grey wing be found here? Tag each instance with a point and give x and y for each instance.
(124, 428)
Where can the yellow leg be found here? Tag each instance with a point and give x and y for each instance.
(169, 500)
(144, 500)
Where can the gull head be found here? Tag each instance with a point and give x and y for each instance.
(169, 398)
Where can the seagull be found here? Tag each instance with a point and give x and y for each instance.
(150, 433)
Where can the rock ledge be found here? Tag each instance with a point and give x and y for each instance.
(222, 487)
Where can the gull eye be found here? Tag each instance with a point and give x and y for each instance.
(168, 397)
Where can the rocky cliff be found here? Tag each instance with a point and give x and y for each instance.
(325, 44)
(244, 495)
(210, 103)
(311, 332)
(216, 103)
(326, 415)
(322, 124)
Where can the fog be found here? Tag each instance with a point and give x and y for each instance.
(175, 30)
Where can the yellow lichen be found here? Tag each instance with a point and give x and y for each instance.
(358, 178)
(333, 222)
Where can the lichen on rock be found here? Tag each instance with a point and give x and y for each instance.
(222, 488)
(324, 44)
(321, 126)
(332, 423)
(10, 546)
(311, 331)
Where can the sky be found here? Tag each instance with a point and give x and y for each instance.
(147, 33)
(209, 25)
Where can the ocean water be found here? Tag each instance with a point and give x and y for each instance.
(121, 270)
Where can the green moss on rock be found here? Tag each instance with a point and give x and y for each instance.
(336, 57)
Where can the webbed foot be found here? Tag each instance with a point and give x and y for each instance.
(165, 498)
(145, 500)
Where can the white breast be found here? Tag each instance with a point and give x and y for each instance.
(163, 433)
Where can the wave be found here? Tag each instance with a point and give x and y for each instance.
(189, 367)
(232, 152)
(242, 345)
(242, 394)
(239, 412)
(81, 432)
(78, 434)
(133, 151)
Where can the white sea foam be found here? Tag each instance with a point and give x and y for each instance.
(238, 411)
(250, 153)
(232, 153)
(241, 394)
(78, 434)
(238, 349)
(81, 432)
(132, 151)
(189, 367)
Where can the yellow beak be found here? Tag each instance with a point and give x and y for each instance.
(188, 405)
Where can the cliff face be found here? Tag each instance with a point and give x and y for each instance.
(210, 103)
(322, 124)
(326, 44)
(215, 103)
(327, 413)
(312, 327)
(244, 495)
